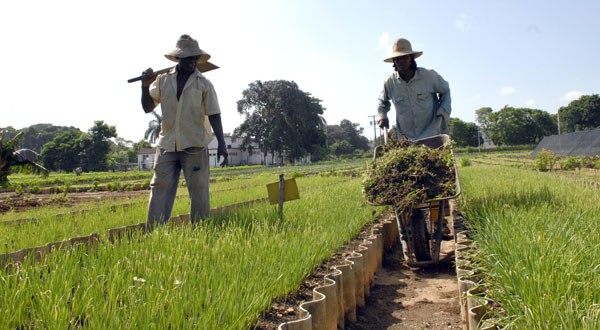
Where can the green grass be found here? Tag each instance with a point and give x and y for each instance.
(218, 275)
(50, 228)
(539, 246)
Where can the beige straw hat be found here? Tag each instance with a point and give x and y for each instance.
(185, 47)
(402, 47)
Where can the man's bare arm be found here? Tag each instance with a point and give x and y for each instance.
(217, 126)
(148, 77)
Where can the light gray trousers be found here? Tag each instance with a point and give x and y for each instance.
(167, 168)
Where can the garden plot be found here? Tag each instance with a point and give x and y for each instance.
(536, 255)
(220, 273)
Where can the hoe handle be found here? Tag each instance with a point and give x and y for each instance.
(156, 73)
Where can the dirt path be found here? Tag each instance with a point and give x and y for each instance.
(411, 298)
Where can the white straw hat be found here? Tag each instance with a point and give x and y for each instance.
(402, 47)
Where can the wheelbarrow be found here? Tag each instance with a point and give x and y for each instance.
(422, 225)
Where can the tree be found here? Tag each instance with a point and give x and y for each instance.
(341, 147)
(96, 147)
(22, 160)
(581, 114)
(512, 126)
(347, 131)
(119, 152)
(483, 119)
(62, 153)
(34, 137)
(8, 132)
(280, 117)
(154, 127)
(464, 134)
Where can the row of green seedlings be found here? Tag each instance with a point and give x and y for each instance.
(545, 160)
(13, 260)
(64, 198)
(219, 274)
(28, 181)
(41, 228)
(537, 247)
(117, 185)
(96, 186)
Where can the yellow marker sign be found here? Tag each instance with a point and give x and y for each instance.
(290, 191)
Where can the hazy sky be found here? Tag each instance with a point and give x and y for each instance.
(67, 62)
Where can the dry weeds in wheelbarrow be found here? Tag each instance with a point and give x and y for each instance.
(407, 173)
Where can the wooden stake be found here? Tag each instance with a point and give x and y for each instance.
(281, 189)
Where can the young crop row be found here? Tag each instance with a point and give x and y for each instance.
(135, 180)
(217, 275)
(50, 228)
(537, 246)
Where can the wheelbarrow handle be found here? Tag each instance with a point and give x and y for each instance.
(385, 135)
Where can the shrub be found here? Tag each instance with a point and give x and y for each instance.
(19, 190)
(35, 189)
(297, 174)
(465, 161)
(545, 160)
(569, 163)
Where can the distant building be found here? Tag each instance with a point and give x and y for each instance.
(237, 156)
(145, 158)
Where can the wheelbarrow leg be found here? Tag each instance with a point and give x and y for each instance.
(438, 234)
(406, 248)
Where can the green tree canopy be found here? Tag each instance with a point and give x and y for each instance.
(463, 133)
(35, 136)
(341, 147)
(96, 147)
(73, 149)
(347, 131)
(512, 126)
(280, 117)
(62, 153)
(483, 117)
(580, 115)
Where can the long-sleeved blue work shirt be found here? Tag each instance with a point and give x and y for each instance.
(422, 104)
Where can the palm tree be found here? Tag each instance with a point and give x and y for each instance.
(153, 128)
(22, 160)
(322, 124)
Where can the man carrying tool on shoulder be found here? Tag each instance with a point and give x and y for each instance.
(421, 97)
(189, 108)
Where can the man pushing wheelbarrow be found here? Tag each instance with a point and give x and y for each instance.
(419, 176)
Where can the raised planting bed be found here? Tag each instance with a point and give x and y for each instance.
(536, 248)
(221, 274)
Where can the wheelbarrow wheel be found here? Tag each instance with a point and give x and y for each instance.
(420, 234)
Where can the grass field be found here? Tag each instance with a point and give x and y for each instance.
(538, 246)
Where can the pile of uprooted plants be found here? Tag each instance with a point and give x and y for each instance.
(408, 173)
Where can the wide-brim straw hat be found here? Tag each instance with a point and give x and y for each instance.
(402, 47)
(186, 46)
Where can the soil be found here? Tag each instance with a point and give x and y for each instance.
(10, 201)
(402, 297)
(410, 298)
